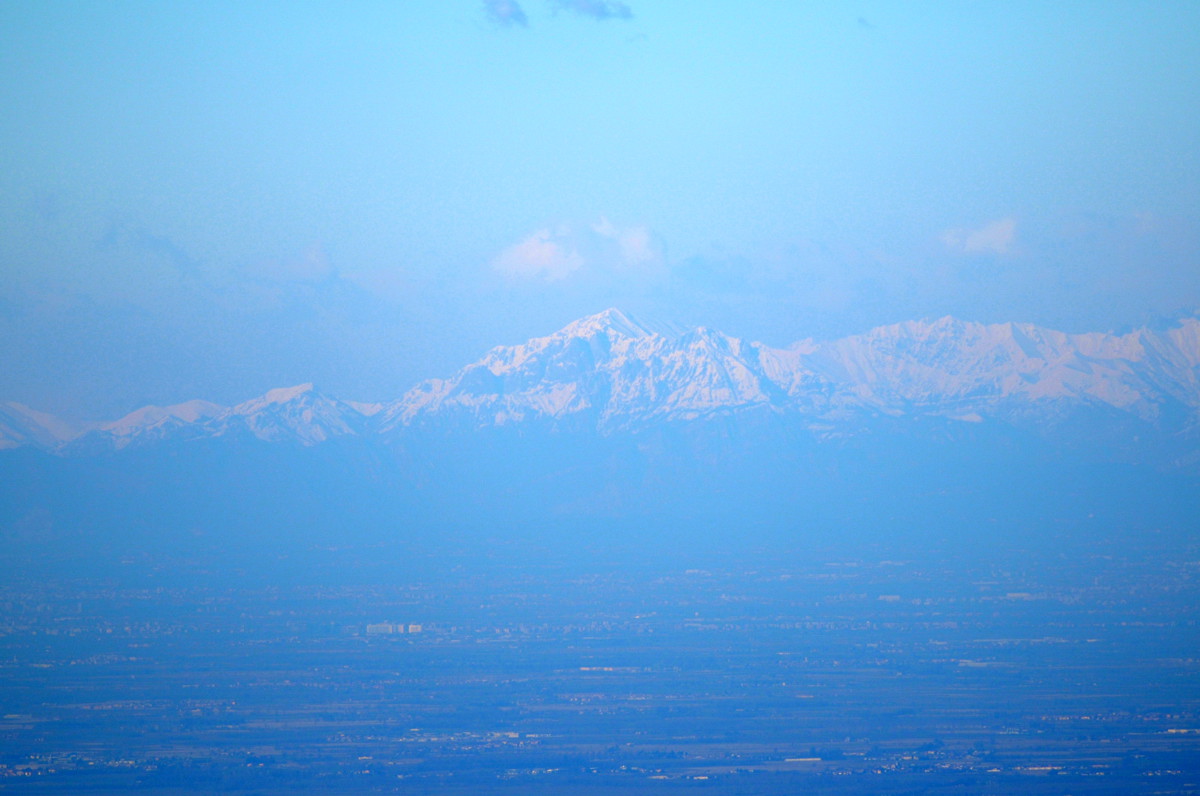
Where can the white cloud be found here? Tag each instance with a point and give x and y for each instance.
(636, 245)
(995, 237)
(542, 255)
(601, 247)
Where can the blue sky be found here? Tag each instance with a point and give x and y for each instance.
(213, 199)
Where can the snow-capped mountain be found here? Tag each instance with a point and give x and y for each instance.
(608, 369)
(299, 414)
(609, 373)
(953, 367)
(616, 372)
(148, 424)
(21, 426)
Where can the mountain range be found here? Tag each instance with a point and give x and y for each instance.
(643, 440)
(610, 373)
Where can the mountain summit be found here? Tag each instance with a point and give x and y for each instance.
(610, 373)
(610, 322)
(605, 370)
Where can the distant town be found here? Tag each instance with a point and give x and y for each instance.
(838, 676)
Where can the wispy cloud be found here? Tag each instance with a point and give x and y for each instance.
(505, 12)
(995, 237)
(602, 247)
(596, 9)
(636, 246)
(543, 255)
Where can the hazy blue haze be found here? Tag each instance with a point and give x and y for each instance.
(210, 200)
(936, 557)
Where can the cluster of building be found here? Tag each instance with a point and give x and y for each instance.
(390, 628)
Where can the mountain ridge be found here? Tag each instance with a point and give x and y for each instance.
(611, 373)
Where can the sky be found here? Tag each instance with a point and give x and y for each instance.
(212, 199)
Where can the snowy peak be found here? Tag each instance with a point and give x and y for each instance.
(609, 372)
(606, 371)
(146, 425)
(949, 364)
(299, 414)
(151, 417)
(620, 374)
(612, 322)
(617, 323)
(21, 426)
(195, 410)
(282, 395)
(1185, 338)
(584, 341)
(696, 373)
